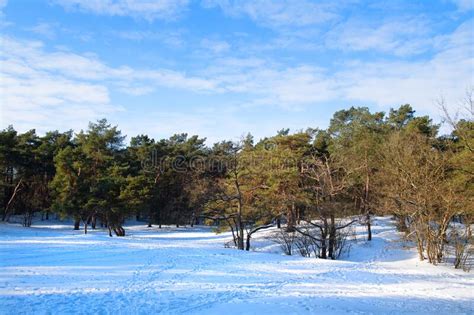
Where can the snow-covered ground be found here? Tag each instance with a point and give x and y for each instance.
(54, 270)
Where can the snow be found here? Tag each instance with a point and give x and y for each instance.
(50, 269)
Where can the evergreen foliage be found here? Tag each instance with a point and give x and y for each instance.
(311, 182)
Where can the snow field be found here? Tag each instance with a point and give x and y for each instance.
(54, 270)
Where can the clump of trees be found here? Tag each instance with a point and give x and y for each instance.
(313, 184)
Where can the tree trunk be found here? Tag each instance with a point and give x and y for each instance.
(240, 237)
(232, 230)
(94, 222)
(419, 243)
(323, 253)
(366, 206)
(247, 245)
(298, 215)
(159, 219)
(324, 234)
(240, 227)
(290, 226)
(18, 188)
(402, 224)
(27, 219)
(77, 224)
(369, 228)
(332, 237)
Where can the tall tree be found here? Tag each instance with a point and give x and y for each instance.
(284, 160)
(356, 137)
(89, 177)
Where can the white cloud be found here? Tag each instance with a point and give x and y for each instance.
(447, 73)
(464, 5)
(91, 68)
(44, 29)
(280, 13)
(3, 21)
(398, 37)
(61, 88)
(169, 38)
(216, 46)
(287, 87)
(66, 90)
(32, 96)
(144, 9)
(384, 83)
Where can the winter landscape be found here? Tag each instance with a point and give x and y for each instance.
(236, 157)
(50, 269)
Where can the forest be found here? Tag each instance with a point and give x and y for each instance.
(313, 184)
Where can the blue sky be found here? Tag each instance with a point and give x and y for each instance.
(222, 68)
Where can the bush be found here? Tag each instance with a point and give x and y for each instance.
(285, 239)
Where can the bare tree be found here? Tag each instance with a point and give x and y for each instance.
(285, 239)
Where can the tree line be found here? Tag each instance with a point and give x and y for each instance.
(314, 182)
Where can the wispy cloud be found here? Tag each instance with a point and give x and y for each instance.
(268, 84)
(3, 4)
(296, 65)
(40, 86)
(401, 36)
(447, 73)
(384, 83)
(44, 29)
(32, 96)
(215, 46)
(464, 5)
(140, 9)
(172, 38)
(280, 13)
(91, 68)
(3, 20)
(64, 89)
